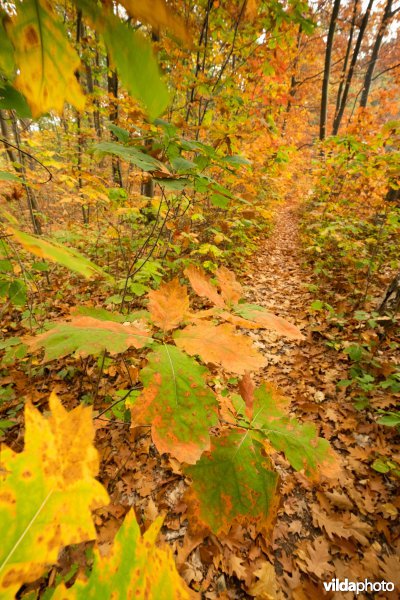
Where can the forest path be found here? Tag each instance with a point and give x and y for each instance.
(280, 282)
(336, 528)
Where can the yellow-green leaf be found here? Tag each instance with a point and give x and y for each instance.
(47, 493)
(135, 568)
(83, 336)
(45, 60)
(67, 257)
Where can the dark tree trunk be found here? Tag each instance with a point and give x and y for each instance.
(112, 87)
(337, 121)
(387, 14)
(327, 70)
(30, 195)
(346, 59)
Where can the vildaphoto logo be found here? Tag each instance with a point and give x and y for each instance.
(337, 585)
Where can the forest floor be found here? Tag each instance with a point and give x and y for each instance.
(343, 528)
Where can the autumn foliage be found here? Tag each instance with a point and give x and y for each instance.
(199, 275)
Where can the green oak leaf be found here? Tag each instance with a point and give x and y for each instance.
(178, 404)
(233, 482)
(299, 442)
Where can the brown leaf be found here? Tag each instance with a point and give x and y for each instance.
(266, 587)
(314, 556)
(168, 305)
(246, 389)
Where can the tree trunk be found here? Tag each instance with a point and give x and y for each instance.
(391, 300)
(112, 87)
(30, 195)
(327, 71)
(387, 14)
(346, 59)
(5, 132)
(350, 73)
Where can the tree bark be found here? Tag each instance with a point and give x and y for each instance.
(5, 132)
(337, 121)
(387, 14)
(112, 88)
(346, 59)
(327, 70)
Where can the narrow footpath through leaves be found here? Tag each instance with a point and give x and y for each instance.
(345, 527)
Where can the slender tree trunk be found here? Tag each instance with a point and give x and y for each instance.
(96, 114)
(350, 73)
(346, 59)
(112, 87)
(85, 210)
(30, 195)
(293, 83)
(387, 14)
(5, 132)
(327, 71)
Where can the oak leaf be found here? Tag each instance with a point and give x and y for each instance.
(266, 588)
(314, 557)
(47, 493)
(262, 317)
(299, 442)
(219, 344)
(231, 289)
(202, 285)
(177, 403)
(83, 336)
(136, 567)
(233, 482)
(46, 61)
(168, 305)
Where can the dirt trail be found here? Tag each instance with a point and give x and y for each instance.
(279, 282)
(335, 528)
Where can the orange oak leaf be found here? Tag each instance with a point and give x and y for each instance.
(168, 305)
(259, 315)
(202, 285)
(231, 289)
(220, 345)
